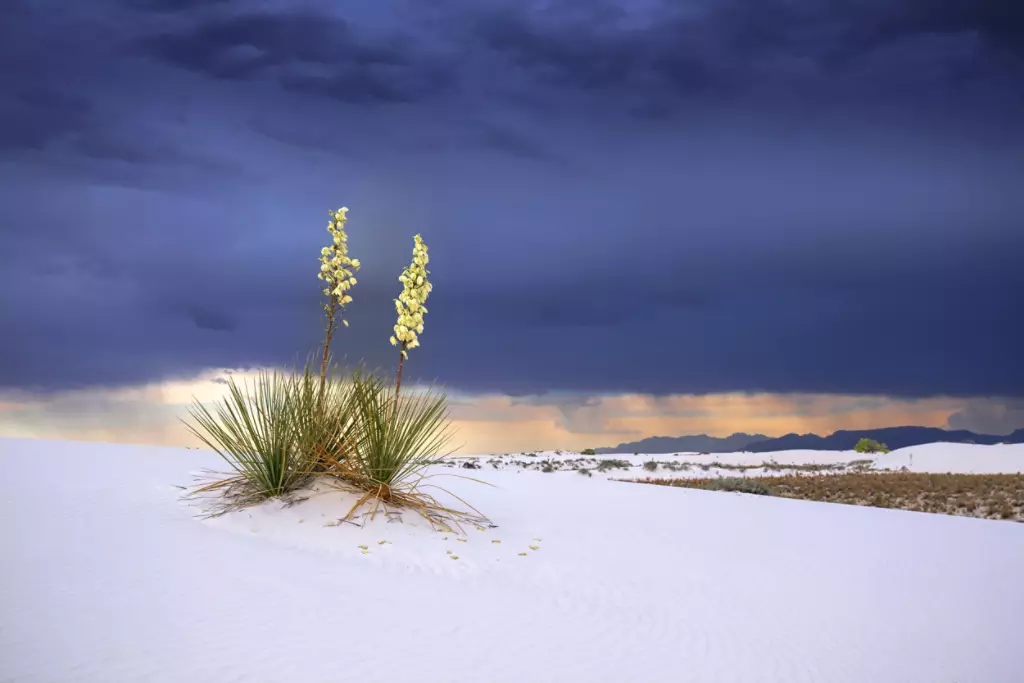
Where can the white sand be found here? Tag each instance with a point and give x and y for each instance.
(956, 458)
(108, 577)
(936, 457)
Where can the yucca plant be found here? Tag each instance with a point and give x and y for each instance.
(354, 430)
(324, 413)
(390, 451)
(394, 441)
(255, 432)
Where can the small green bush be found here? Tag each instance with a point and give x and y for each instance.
(606, 465)
(651, 465)
(866, 445)
(588, 451)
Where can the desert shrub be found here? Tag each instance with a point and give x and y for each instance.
(588, 451)
(730, 467)
(548, 467)
(866, 445)
(606, 465)
(651, 465)
(736, 484)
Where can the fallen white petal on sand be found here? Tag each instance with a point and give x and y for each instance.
(108, 576)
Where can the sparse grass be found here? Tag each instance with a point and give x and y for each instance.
(653, 465)
(677, 466)
(808, 467)
(769, 466)
(729, 467)
(989, 496)
(735, 484)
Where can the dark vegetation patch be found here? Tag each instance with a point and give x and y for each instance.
(988, 496)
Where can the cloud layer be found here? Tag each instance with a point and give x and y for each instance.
(738, 196)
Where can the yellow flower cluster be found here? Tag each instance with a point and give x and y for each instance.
(409, 304)
(336, 268)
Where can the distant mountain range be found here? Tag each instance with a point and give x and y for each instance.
(698, 443)
(845, 440)
(893, 437)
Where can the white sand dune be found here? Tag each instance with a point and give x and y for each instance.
(956, 458)
(107, 576)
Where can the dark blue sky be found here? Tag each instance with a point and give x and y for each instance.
(650, 197)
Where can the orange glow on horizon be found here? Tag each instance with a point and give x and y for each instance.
(487, 423)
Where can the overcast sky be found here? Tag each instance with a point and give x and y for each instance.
(644, 198)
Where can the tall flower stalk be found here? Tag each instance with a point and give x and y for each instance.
(337, 271)
(410, 305)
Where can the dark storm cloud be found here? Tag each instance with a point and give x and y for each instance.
(724, 48)
(516, 143)
(304, 52)
(37, 106)
(989, 416)
(165, 191)
(718, 49)
(173, 5)
(33, 116)
(68, 96)
(998, 20)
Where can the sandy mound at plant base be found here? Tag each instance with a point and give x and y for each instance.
(110, 577)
